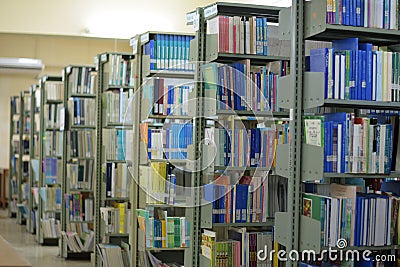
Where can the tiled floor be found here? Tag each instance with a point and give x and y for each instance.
(24, 243)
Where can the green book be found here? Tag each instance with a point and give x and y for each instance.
(314, 207)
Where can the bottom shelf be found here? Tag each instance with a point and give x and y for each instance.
(78, 255)
(50, 241)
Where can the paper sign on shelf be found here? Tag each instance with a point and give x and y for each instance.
(210, 11)
(144, 38)
(196, 22)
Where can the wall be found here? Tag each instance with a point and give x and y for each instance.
(56, 52)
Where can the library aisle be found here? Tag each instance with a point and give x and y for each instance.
(25, 244)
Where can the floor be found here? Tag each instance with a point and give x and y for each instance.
(24, 243)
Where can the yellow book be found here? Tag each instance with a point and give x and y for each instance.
(276, 248)
(164, 233)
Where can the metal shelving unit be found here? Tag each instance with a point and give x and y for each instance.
(73, 77)
(102, 61)
(42, 213)
(142, 113)
(15, 120)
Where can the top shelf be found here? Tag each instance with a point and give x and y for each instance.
(316, 28)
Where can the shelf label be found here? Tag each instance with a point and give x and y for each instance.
(211, 11)
(190, 17)
(134, 44)
(144, 38)
(196, 22)
(68, 70)
(103, 58)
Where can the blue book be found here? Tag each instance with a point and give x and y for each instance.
(186, 53)
(180, 53)
(257, 147)
(159, 51)
(368, 65)
(359, 17)
(340, 118)
(109, 169)
(319, 59)
(241, 202)
(222, 203)
(352, 13)
(346, 12)
(209, 195)
(364, 76)
(357, 228)
(152, 55)
(265, 35)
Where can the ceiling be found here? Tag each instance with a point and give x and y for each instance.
(102, 18)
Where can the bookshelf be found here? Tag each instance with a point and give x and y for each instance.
(235, 169)
(310, 99)
(15, 120)
(112, 209)
(50, 151)
(163, 74)
(78, 160)
(23, 178)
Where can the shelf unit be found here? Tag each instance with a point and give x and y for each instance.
(78, 159)
(204, 48)
(178, 73)
(110, 81)
(15, 120)
(308, 22)
(51, 97)
(23, 177)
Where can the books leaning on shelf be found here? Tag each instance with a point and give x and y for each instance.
(116, 178)
(52, 169)
(361, 219)
(120, 70)
(169, 52)
(79, 207)
(159, 183)
(252, 199)
(114, 255)
(52, 116)
(240, 35)
(114, 141)
(80, 174)
(118, 106)
(51, 197)
(164, 232)
(167, 96)
(82, 80)
(354, 144)
(51, 228)
(240, 249)
(358, 71)
(247, 147)
(239, 86)
(78, 244)
(80, 143)
(54, 90)
(172, 141)
(81, 111)
(53, 144)
(117, 219)
(382, 14)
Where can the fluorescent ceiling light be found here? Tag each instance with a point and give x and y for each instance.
(21, 65)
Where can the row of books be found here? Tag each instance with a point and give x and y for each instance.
(114, 255)
(245, 199)
(54, 90)
(169, 52)
(52, 168)
(81, 143)
(382, 14)
(240, 249)
(51, 228)
(81, 111)
(241, 87)
(79, 207)
(27, 125)
(15, 105)
(172, 141)
(357, 71)
(117, 219)
(52, 116)
(167, 96)
(354, 144)
(15, 127)
(53, 144)
(79, 227)
(78, 244)
(80, 174)
(118, 106)
(361, 219)
(164, 232)
(51, 197)
(240, 35)
(159, 183)
(114, 141)
(120, 70)
(116, 177)
(81, 80)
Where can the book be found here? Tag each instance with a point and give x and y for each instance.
(80, 174)
(81, 112)
(117, 105)
(79, 207)
(116, 178)
(119, 70)
(51, 228)
(81, 80)
(80, 143)
(54, 90)
(116, 218)
(114, 141)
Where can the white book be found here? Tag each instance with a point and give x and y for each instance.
(342, 76)
(365, 222)
(247, 37)
(388, 221)
(382, 145)
(330, 74)
(339, 146)
(389, 76)
(337, 76)
(374, 61)
(254, 34)
(241, 34)
(380, 222)
(237, 37)
(230, 34)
